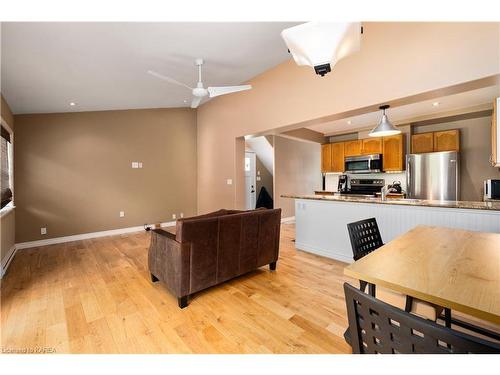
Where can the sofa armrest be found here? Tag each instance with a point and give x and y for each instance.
(168, 260)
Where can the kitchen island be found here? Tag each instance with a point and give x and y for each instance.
(321, 220)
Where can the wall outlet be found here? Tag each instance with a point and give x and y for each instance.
(43, 230)
(182, 215)
(122, 213)
(258, 178)
(173, 216)
(135, 164)
(229, 181)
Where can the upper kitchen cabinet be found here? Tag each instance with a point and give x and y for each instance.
(338, 157)
(422, 143)
(353, 148)
(495, 134)
(448, 140)
(326, 158)
(371, 146)
(393, 152)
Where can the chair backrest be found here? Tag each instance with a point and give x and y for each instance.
(365, 237)
(377, 327)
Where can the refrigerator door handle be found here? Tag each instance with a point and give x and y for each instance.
(408, 178)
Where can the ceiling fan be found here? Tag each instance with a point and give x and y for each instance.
(199, 92)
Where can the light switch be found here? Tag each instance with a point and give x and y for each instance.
(229, 181)
(43, 230)
(135, 164)
(122, 213)
(140, 164)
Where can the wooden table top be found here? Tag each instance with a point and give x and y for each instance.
(452, 268)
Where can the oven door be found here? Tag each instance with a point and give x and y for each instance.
(364, 164)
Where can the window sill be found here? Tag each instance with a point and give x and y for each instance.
(7, 210)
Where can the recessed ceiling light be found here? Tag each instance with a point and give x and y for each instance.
(435, 104)
(349, 122)
(72, 104)
(185, 101)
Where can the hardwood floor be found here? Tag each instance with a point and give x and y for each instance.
(95, 296)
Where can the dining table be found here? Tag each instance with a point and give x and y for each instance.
(453, 268)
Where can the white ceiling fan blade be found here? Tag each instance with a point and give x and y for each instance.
(216, 91)
(168, 79)
(196, 101)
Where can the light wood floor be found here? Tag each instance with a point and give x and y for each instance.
(95, 296)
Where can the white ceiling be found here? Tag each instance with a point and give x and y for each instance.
(398, 115)
(102, 66)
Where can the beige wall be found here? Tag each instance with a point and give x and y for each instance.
(475, 152)
(73, 170)
(297, 169)
(7, 222)
(396, 60)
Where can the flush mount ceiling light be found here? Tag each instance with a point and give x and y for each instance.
(384, 128)
(322, 44)
(72, 104)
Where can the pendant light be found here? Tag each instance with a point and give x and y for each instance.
(384, 128)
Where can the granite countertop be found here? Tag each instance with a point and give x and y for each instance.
(492, 206)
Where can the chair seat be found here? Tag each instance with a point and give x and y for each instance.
(420, 308)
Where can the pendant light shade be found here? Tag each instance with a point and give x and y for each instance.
(384, 128)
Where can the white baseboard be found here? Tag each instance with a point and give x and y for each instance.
(287, 220)
(6, 261)
(84, 236)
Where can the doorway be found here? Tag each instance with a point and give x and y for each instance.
(250, 191)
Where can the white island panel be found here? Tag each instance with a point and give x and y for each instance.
(321, 226)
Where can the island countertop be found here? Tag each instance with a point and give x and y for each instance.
(491, 206)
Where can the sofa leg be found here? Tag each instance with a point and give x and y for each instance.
(272, 266)
(182, 301)
(154, 279)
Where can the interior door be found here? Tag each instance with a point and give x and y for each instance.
(250, 188)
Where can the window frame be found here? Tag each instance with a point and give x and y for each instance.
(10, 206)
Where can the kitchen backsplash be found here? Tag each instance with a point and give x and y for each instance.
(332, 180)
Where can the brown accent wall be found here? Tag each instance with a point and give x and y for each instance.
(396, 60)
(475, 152)
(73, 170)
(297, 170)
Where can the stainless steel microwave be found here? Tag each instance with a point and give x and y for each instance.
(492, 189)
(364, 164)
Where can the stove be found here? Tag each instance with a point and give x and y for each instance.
(364, 187)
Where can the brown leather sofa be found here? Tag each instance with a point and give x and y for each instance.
(210, 249)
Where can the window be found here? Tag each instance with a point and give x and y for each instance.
(6, 164)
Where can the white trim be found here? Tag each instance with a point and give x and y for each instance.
(84, 236)
(8, 258)
(288, 220)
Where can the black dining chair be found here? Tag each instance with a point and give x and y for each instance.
(365, 238)
(378, 327)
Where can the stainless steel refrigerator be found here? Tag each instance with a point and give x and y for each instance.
(433, 175)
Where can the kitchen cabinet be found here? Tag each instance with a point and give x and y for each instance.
(422, 143)
(393, 153)
(495, 134)
(326, 158)
(353, 148)
(448, 140)
(371, 146)
(338, 157)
